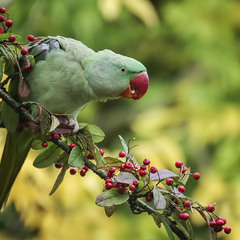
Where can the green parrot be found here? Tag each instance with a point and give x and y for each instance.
(66, 77)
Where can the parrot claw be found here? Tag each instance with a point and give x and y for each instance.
(74, 123)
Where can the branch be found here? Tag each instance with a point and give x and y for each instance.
(137, 206)
(88, 163)
(16, 106)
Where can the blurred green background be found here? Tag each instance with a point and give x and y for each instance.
(190, 113)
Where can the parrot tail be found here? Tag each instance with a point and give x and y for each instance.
(15, 151)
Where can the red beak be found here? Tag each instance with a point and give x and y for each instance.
(138, 87)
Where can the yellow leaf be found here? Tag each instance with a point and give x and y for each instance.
(144, 10)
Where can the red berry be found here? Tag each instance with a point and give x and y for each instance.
(122, 154)
(219, 222)
(9, 23)
(109, 180)
(169, 181)
(187, 203)
(183, 216)
(73, 171)
(24, 51)
(27, 68)
(217, 228)
(143, 167)
(135, 182)
(149, 198)
(44, 144)
(142, 172)
(11, 38)
(121, 190)
(83, 172)
(132, 187)
(31, 38)
(58, 165)
(101, 152)
(112, 170)
(85, 168)
(227, 230)
(90, 156)
(72, 145)
(110, 175)
(109, 186)
(136, 166)
(181, 189)
(128, 165)
(56, 136)
(178, 164)
(196, 175)
(2, 10)
(223, 219)
(2, 18)
(184, 169)
(122, 167)
(19, 128)
(212, 224)
(135, 96)
(146, 161)
(153, 169)
(210, 208)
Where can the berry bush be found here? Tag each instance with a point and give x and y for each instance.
(145, 188)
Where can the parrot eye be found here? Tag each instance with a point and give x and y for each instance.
(123, 70)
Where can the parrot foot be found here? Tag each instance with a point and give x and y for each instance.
(74, 123)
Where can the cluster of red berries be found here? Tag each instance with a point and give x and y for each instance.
(218, 224)
(133, 167)
(121, 187)
(6, 25)
(183, 169)
(141, 169)
(4, 19)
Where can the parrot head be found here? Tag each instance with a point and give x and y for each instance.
(120, 76)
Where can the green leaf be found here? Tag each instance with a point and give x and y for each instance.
(1, 69)
(111, 198)
(183, 226)
(97, 134)
(76, 158)
(37, 144)
(157, 219)
(125, 177)
(54, 123)
(124, 144)
(46, 122)
(167, 227)
(185, 177)
(112, 161)
(159, 200)
(47, 158)
(0, 112)
(5, 36)
(59, 178)
(9, 117)
(162, 174)
(31, 60)
(63, 158)
(110, 210)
